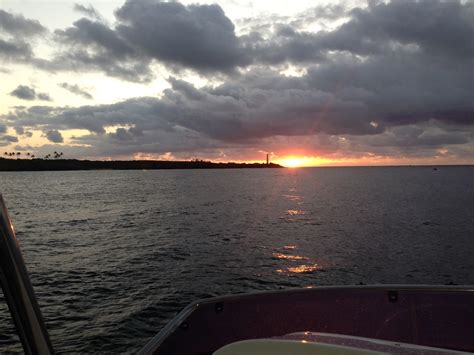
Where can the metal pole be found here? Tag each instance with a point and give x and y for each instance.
(19, 292)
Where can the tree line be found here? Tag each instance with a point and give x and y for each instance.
(18, 155)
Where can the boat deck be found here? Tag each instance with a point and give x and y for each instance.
(440, 317)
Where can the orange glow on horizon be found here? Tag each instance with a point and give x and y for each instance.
(301, 161)
(292, 162)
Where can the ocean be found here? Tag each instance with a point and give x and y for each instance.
(113, 255)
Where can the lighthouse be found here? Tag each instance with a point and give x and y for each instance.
(268, 159)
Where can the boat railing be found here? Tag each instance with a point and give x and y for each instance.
(18, 291)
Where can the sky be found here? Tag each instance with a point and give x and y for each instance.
(308, 82)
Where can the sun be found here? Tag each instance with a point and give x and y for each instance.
(293, 162)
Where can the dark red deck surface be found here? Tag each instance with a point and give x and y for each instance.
(433, 317)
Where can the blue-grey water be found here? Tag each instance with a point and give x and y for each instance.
(113, 255)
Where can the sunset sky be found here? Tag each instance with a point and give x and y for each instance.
(310, 82)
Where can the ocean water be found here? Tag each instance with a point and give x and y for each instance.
(113, 255)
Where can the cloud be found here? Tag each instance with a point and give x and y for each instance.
(16, 33)
(54, 136)
(383, 79)
(330, 11)
(11, 50)
(418, 23)
(89, 11)
(24, 92)
(20, 26)
(6, 139)
(9, 138)
(3, 128)
(200, 37)
(263, 107)
(27, 93)
(417, 136)
(43, 96)
(203, 38)
(379, 29)
(75, 89)
(92, 45)
(19, 130)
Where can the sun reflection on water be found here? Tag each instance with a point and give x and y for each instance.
(300, 269)
(292, 197)
(289, 257)
(303, 268)
(295, 212)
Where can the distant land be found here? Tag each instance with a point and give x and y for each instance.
(74, 164)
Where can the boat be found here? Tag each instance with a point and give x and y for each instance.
(398, 319)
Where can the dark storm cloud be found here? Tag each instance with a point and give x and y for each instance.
(86, 32)
(75, 89)
(54, 136)
(19, 25)
(11, 50)
(257, 108)
(429, 26)
(418, 136)
(203, 38)
(14, 32)
(93, 45)
(196, 36)
(402, 89)
(24, 92)
(439, 27)
(27, 93)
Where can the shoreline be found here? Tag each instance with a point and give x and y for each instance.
(75, 164)
(13, 165)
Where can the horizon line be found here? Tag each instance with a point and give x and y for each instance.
(247, 162)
